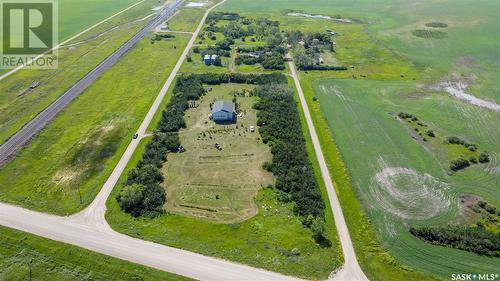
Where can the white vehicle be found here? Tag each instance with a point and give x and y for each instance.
(252, 129)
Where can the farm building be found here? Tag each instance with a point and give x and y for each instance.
(223, 112)
(210, 59)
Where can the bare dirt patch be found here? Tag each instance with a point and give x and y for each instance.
(458, 86)
(87, 156)
(311, 16)
(466, 202)
(199, 4)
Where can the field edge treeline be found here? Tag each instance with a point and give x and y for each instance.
(280, 127)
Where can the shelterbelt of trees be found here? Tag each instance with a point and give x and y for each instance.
(473, 239)
(143, 194)
(280, 128)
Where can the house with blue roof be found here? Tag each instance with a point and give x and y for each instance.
(223, 112)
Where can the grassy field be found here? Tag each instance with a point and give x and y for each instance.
(378, 168)
(266, 240)
(186, 20)
(374, 259)
(201, 182)
(470, 47)
(28, 257)
(397, 169)
(67, 163)
(77, 16)
(19, 104)
(381, 44)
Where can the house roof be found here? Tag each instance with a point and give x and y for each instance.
(226, 106)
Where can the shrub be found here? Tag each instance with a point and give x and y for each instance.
(145, 175)
(154, 199)
(321, 67)
(274, 61)
(484, 157)
(404, 115)
(138, 199)
(318, 229)
(131, 198)
(472, 147)
(225, 44)
(248, 60)
(459, 164)
(431, 133)
(490, 209)
(472, 239)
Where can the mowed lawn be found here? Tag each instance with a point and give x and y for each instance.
(25, 256)
(218, 184)
(390, 170)
(64, 167)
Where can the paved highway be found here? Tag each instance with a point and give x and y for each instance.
(17, 141)
(351, 271)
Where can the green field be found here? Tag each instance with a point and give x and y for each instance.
(186, 20)
(397, 169)
(65, 166)
(402, 72)
(28, 257)
(19, 104)
(399, 56)
(201, 182)
(470, 48)
(77, 16)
